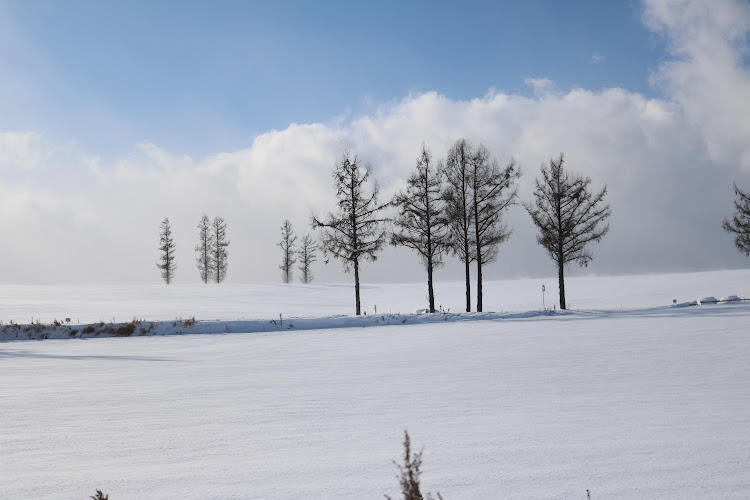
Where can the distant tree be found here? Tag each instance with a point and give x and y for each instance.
(740, 223)
(457, 196)
(306, 258)
(219, 246)
(568, 217)
(421, 223)
(205, 257)
(288, 252)
(492, 192)
(166, 262)
(355, 232)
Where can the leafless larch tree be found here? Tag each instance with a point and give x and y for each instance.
(166, 262)
(457, 196)
(306, 258)
(493, 190)
(356, 231)
(205, 258)
(740, 223)
(219, 244)
(421, 223)
(568, 217)
(288, 252)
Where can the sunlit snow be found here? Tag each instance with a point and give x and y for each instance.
(623, 395)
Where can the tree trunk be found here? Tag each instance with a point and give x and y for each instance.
(356, 285)
(561, 282)
(479, 283)
(468, 281)
(430, 293)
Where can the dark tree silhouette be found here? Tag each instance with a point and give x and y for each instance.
(166, 262)
(355, 232)
(306, 258)
(492, 192)
(740, 223)
(205, 258)
(288, 251)
(219, 246)
(457, 195)
(568, 216)
(421, 224)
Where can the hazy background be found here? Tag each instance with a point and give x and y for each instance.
(113, 116)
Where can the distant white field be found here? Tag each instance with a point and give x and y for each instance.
(86, 304)
(642, 403)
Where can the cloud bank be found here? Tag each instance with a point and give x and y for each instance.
(70, 216)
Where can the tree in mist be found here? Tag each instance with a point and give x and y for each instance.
(356, 231)
(493, 190)
(166, 262)
(420, 223)
(740, 223)
(569, 217)
(288, 252)
(219, 246)
(306, 258)
(457, 196)
(205, 257)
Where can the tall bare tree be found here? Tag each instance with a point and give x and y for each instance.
(306, 258)
(356, 231)
(288, 251)
(166, 262)
(493, 190)
(457, 195)
(740, 223)
(219, 244)
(569, 217)
(421, 223)
(205, 258)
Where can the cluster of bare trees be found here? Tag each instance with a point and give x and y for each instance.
(290, 253)
(212, 259)
(456, 206)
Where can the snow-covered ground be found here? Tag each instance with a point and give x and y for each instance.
(86, 304)
(624, 396)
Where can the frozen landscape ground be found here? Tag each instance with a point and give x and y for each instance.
(624, 395)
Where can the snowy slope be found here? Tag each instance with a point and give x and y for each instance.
(638, 403)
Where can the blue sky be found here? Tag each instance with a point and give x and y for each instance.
(114, 115)
(201, 77)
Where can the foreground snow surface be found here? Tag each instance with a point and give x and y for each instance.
(641, 403)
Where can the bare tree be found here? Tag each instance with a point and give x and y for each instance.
(457, 196)
(306, 258)
(740, 223)
(492, 192)
(219, 246)
(166, 262)
(410, 473)
(354, 232)
(205, 258)
(421, 223)
(288, 251)
(568, 216)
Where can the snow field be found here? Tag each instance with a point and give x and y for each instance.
(629, 398)
(630, 405)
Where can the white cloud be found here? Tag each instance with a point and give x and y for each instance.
(707, 76)
(21, 150)
(668, 163)
(597, 58)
